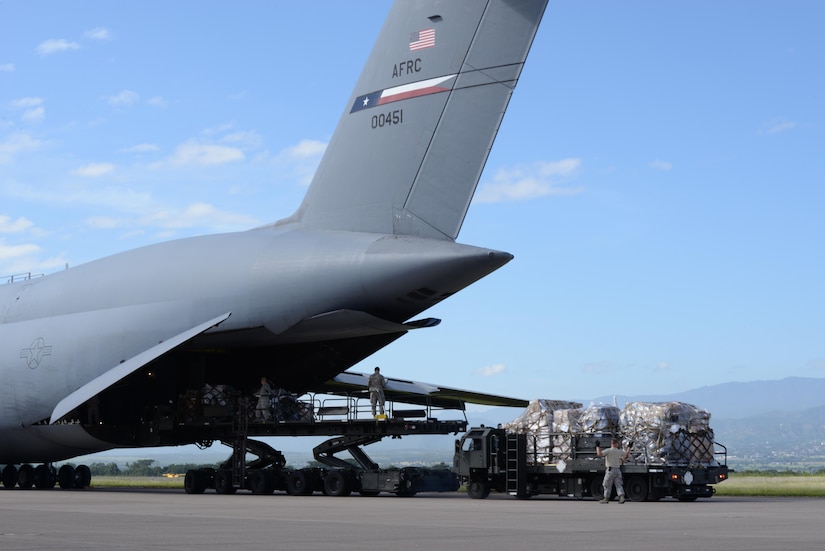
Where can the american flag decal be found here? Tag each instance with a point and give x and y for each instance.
(422, 39)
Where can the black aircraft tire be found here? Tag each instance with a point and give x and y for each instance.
(337, 483)
(9, 476)
(636, 488)
(44, 477)
(65, 477)
(25, 476)
(478, 489)
(82, 477)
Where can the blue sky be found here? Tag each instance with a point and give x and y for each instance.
(658, 175)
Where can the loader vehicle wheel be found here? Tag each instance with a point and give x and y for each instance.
(636, 488)
(194, 482)
(596, 488)
(261, 483)
(478, 489)
(223, 482)
(337, 483)
(297, 484)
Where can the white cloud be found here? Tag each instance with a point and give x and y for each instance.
(661, 165)
(34, 115)
(27, 103)
(491, 370)
(6, 67)
(15, 144)
(246, 140)
(192, 153)
(103, 222)
(93, 170)
(123, 98)
(527, 182)
(141, 148)
(7, 225)
(199, 215)
(9, 252)
(98, 33)
(157, 101)
(778, 125)
(55, 45)
(305, 149)
(33, 110)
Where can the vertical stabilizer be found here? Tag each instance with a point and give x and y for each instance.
(412, 142)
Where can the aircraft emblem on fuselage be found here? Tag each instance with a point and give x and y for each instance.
(34, 354)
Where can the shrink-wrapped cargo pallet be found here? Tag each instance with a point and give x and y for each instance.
(565, 425)
(668, 432)
(599, 419)
(537, 423)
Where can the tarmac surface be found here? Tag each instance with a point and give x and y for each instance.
(125, 519)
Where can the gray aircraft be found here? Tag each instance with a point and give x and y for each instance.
(301, 300)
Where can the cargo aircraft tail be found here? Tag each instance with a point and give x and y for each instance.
(410, 147)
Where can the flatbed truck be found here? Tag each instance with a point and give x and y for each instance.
(494, 459)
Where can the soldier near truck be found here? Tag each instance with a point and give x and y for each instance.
(613, 460)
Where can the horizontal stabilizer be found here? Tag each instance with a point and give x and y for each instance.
(348, 324)
(414, 392)
(107, 379)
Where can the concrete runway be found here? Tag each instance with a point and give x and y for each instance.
(117, 519)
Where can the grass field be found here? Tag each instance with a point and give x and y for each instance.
(773, 486)
(136, 482)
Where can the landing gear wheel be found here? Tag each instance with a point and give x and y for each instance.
(25, 476)
(636, 488)
(65, 477)
(337, 483)
(9, 476)
(478, 489)
(297, 484)
(44, 477)
(194, 482)
(82, 477)
(223, 482)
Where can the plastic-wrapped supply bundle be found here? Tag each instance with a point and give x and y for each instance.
(537, 423)
(565, 425)
(599, 419)
(668, 432)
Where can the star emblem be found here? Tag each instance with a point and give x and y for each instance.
(34, 354)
